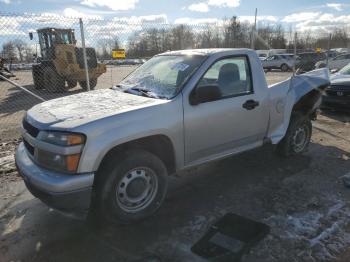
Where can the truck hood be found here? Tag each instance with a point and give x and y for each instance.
(75, 110)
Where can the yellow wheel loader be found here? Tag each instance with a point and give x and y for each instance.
(61, 65)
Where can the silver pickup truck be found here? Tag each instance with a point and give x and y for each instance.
(112, 150)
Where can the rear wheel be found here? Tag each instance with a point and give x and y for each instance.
(93, 83)
(53, 81)
(131, 189)
(71, 83)
(298, 136)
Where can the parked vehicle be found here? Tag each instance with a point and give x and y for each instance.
(272, 52)
(340, 50)
(306, 61)
(21, 66)
(337, 95)
(335, 63)
(115, 148)
(284, 62)
(332, 54)
(263, 54)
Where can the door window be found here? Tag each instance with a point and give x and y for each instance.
(231, 75)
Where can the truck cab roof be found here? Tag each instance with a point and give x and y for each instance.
(209, 51)
(53, 29)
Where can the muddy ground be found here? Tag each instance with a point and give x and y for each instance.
(302, 199)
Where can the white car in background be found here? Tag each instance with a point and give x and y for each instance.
(335, 63)
(263, 54)
(284, 62)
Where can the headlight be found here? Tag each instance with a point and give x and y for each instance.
(55, 161)
(61, 138)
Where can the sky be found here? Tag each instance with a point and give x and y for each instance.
(299, 14)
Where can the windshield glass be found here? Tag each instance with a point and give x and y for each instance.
(345, 70)
(161, 76)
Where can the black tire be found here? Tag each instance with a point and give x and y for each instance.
(52, 80)
(300, 128)
(284, 67)
(109, 185)
(71, 83)
(93, 83)
(38, 78)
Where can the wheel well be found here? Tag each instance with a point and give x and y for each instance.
(159, 145)
(307, 102)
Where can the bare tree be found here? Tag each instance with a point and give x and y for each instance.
(9, 51)
(105, 47)
(20, 46)
(230, 34)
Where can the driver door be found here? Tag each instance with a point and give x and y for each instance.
(226, 125)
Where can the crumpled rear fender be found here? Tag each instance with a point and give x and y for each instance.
(301, 92)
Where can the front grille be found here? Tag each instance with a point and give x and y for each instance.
(33, 131)
(337, 93)
(338, 90)
(29, 148)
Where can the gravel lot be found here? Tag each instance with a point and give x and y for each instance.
(302, 199)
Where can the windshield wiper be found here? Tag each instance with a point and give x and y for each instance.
(117, 87)
(144, 92)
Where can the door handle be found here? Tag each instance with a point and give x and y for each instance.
(250, 104)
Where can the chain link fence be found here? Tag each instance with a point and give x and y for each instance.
(51, 56)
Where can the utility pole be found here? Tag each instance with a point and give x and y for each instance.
(295, 52)
(84, 54)
(252, 38)
(328, 48)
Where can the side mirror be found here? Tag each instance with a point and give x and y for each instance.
(30, 35)
(202, 94)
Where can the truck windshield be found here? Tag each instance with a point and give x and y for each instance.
(162, 76)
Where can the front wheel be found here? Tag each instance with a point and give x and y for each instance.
(53, 82)
(298, 136)
(284, 68)
(38, 78)
(133, 188)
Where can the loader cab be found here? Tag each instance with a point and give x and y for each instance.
(49, 37)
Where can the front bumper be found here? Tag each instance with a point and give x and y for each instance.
(336, 102)
(67, 193)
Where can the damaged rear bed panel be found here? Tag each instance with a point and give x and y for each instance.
(284, 97)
